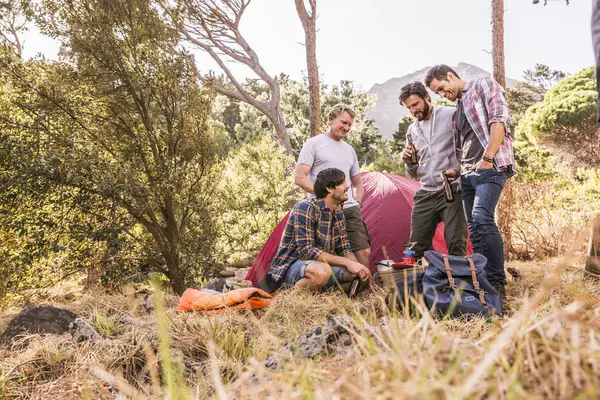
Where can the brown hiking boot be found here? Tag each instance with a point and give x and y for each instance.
(501, 289)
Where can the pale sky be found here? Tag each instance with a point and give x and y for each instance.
(371, 41)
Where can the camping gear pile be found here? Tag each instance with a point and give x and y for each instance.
(448, 285)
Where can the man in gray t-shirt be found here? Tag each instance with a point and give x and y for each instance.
(328, 150)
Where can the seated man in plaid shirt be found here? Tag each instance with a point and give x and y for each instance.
(314, 251)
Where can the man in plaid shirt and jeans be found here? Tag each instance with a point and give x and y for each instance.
(314, 245)
(484, 147)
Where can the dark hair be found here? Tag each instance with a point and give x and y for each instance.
(409, 89)
(328, 179)
(439, 72)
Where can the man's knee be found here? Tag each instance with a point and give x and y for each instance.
(366, 252)
(484, 222)
(363, 256)
(318, 273)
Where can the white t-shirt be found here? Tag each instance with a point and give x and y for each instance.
(322, 152)
(426, 128)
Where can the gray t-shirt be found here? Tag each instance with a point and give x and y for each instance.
(322, 152)
(472, 150)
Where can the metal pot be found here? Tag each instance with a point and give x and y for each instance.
(384, 265)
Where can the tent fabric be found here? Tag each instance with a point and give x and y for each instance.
(238, 299)
(264, 259)
(387, 207)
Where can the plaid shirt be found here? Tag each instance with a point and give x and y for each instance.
(484, 103)
(307, 234)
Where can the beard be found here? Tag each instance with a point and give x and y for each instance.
(423, 114)
(341, 198)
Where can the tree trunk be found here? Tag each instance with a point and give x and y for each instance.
(506, 218)
(505, 212)
(166, 243)
(309, 23)
(498, 41)
(592, 266)
(281, 131)
(176, 274)
(313, 84)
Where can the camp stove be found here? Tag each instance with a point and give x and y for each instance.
(408, 261)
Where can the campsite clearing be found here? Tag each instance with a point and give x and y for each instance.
(548, 348)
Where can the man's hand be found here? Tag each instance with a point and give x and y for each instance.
(452, 174)
(358, 269)
(407, 154)
(482, 164)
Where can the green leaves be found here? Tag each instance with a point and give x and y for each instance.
(566, 118)
(250, 124)
(253, 196)
(399, 138)
(122, 121)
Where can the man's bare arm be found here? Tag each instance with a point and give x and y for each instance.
(351, 256)
(497, 134)
(358, 186)
(301, 177)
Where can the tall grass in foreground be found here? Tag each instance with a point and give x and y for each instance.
(548, 348)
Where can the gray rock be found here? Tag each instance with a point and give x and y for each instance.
(43, 319)
(129, 320)
(82, 330)
(226, 273)
(148, 302)
(335, 337)
(243, 263)
(216, 284)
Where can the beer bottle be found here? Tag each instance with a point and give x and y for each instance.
(447, 188)
(414, 160)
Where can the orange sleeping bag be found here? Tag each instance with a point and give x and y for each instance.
(238, 299)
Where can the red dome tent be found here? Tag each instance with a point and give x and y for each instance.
(387, 205)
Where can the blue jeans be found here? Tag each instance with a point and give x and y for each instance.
(296, 272)
(480, 194)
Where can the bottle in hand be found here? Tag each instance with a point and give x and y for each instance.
(414, 160)
(447, 188)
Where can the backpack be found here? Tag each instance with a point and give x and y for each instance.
(456, 286)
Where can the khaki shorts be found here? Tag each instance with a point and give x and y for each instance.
(356, 229)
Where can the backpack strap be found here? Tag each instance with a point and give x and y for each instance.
(476, 282)
(451, 279)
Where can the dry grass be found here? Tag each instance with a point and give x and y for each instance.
(548, 348)
(548, 216)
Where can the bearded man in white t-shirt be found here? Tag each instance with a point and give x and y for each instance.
(329, 150)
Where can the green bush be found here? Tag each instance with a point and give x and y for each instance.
(566, 120)
(255, 192)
